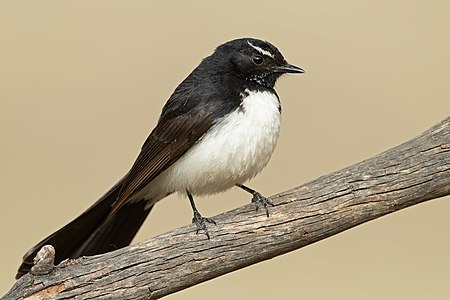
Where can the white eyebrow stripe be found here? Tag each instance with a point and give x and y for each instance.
(260, 50)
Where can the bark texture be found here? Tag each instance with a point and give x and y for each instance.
(411, 173)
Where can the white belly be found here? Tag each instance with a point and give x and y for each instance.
(234, 150)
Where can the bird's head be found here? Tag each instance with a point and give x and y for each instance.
(255, 60)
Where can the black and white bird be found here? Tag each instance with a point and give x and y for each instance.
(218, 129)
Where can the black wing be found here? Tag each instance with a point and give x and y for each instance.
(168, 141)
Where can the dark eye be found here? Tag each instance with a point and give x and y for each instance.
(258, 60)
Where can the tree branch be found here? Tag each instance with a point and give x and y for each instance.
(411, 173)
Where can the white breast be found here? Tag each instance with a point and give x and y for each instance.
(234, 150)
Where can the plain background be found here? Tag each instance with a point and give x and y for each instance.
(82, 84)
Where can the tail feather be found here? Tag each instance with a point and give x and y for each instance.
(95, 231)
(117, 231)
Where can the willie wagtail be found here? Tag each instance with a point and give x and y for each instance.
(217, 130)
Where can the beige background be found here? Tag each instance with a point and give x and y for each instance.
(82, 84)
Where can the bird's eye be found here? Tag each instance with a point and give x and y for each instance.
(258, 60)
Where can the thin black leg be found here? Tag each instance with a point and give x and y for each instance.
(258, 199)
(198, 219)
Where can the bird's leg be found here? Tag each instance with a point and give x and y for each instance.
(198, 219)
(258, 199)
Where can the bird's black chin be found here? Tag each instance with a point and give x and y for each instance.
(265, 80)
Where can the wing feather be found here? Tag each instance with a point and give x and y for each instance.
(168, 141)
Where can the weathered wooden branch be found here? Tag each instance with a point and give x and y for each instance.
(414, 172)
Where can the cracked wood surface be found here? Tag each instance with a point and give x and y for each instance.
(411, 173)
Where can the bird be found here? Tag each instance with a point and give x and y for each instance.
(217, 130)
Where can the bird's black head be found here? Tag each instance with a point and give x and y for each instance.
(254, 60)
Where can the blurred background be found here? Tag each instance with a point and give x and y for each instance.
(82, 83)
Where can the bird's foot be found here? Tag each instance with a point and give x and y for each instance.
(201, 222)
(260, 200)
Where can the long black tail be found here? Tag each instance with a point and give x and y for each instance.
(95, 231)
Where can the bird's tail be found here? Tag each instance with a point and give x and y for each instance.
(95, 231)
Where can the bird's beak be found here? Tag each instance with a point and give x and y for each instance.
(287, 68)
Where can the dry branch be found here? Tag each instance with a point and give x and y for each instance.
(414, 172)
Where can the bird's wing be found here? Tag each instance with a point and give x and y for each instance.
(168, 141)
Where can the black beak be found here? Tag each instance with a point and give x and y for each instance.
(287, 68)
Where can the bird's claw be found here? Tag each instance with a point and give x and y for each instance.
(260, 200)
(201, 223)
